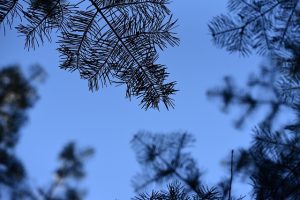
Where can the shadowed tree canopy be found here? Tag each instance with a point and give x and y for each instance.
(17, 94)
(272, 163)
(115, 41)
(270, 28)
(273, 159)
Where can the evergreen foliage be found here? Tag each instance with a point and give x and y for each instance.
(164, 159)
(271, 164)
(255, 25)
(115, 41)
(270, 28)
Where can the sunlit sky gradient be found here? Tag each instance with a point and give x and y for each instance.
(107, 121)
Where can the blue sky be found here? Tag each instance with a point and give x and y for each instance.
(107, 121)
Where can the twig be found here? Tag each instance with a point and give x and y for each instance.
(231, 175)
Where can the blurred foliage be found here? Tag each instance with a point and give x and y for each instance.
(164, 158)
(271, 164)
(68, 174)
(255, 25)
(18, 93)
(261, 93)
(271, 28)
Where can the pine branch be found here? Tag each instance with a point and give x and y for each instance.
(115, 42)
(250, 100)
(249, 29)
(109, 42)
(165, 159)
(157, 92)
(288, 22)
(9, 9)
(42, 19)
(176, 191)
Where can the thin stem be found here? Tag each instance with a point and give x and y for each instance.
(129, 4)
(231, 176)
(53, 187)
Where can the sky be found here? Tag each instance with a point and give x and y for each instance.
(106, 121)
